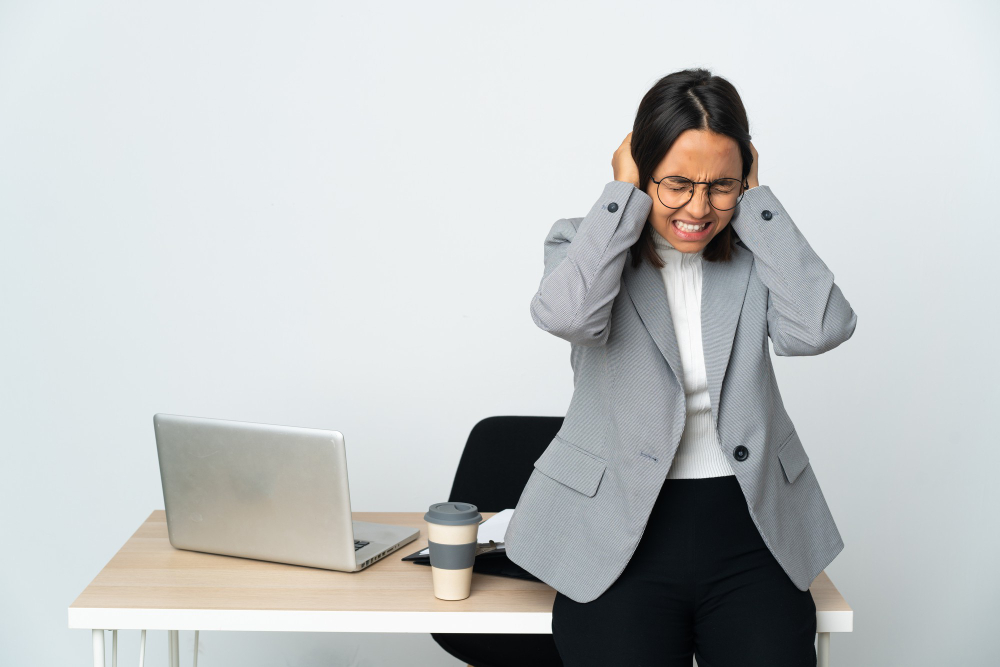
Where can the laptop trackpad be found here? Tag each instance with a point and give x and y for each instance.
(380, 532)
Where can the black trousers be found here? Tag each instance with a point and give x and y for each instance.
(701, 582)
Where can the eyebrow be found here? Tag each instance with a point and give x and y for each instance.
(732, 178)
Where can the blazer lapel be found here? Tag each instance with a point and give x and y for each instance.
(645, 287)
(723, 289)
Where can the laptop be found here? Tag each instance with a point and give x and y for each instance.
(274, 493)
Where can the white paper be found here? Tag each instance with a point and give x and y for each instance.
(495, 527)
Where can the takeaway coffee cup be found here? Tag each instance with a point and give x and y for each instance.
(452, 529)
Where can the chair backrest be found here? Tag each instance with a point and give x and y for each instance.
(498, 459)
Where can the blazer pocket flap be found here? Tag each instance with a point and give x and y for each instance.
(572, 466)
(793, 457)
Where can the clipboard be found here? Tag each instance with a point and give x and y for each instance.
(489, 560)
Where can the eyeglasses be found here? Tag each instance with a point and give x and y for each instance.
(676, 191)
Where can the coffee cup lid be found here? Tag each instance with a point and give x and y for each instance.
(453, 514)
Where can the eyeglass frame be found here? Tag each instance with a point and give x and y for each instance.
(743, 183)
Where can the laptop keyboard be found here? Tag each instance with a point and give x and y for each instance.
(359, 544)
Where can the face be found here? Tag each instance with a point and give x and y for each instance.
(700, 155)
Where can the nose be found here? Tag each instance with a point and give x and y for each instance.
(699, 207)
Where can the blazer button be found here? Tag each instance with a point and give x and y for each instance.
(613, 206)
(741, 453)
(765, 214)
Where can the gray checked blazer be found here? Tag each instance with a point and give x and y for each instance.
(584, 508)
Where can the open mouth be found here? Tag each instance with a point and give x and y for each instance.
(691, 231)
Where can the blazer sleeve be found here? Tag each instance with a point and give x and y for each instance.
(584, 259)
(807, 313)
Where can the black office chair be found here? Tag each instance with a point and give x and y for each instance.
(495, 465)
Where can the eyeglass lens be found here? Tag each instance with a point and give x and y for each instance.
(675, 192)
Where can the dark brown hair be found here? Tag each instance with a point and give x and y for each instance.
(691, 99)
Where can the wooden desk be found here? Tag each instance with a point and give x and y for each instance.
(150, 585)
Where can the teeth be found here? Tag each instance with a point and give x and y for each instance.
(689, 228)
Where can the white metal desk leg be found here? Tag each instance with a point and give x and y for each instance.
(823, 650)
(170, 648)
(175, 648)
(142, 648)
(195, 648)
(114, 648)
(98, 648)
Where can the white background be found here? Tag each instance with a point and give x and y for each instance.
(332, 215)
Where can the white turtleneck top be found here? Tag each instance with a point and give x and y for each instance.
(700, 452)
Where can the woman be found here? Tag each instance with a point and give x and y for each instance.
(676, 512)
